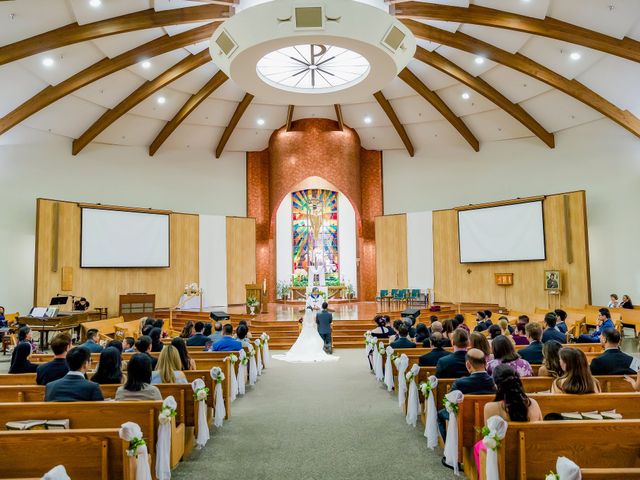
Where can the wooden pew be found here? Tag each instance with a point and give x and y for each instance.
(85, 453)
(104, 327)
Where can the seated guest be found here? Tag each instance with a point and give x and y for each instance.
(402, 341)
(396, 326)
(217, 332)
(494, 331)
(613, 361)
(488, 314)
(3, 321)
(138, 385)
(117, 344)
(128, 345)
(381, 331)
(458, 320)
(20, 359)
(507, 330)
(431, 359)
(241, 335)
(26, 335)
(479, 340)
(432, 320)
(387, 325)
(197, 339)
(533, 353)
(109, 371)
(169, 367)
(156, 339)
(208, 330)
(143, 345)
(604, 321)
(613, 301)
(227, 343)
(244, 322)
(505, 354)
(577, 378)
(91, 343)
(561, 323)
(422, 334)
(519, 336)
(524, 319)
(410, 321)
(159, 323)
(436, 327)
(454, 365)
(551, 360)
(481, 324)
(187, 330)
(551, 332)
(74, 387)
(147, 325)
(56, 368)
(478, 382)
(448, 327)
(188, 363)
(625, 302)
(81, 305)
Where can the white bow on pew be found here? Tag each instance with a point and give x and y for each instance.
(497, 429)
(258, 343)
(232, 359)
(567, 470)
(266, 358)
(452, 400)
(413, 402)
(388, 370)
(219, 411)
(402, 362)
(430, 411)
(377, 361)
(56, 473)
(163, 445)
(253, 367)
(242, 372)
(200, 393)
(131, 432)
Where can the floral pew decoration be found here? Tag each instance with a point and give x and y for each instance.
(242, 372)
(253, 366)
(56, 473)
(378, 352)
(219, 409)
(413, 402)
(163, 445)
(131, 432)
(567, 470)
(388, 369)
(232, 359)
(452, 401)
(492, 435)
(266, 356)
(200, 395)
(369, 342)
(258, 343)
(402, 363)
(431, 414)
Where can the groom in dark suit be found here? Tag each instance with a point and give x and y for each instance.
(324, 319)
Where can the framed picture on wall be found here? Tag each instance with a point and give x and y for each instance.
(552, 280)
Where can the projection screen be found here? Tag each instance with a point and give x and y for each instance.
(123, 239)
(502, 234)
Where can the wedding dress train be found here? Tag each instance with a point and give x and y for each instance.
(309, 347)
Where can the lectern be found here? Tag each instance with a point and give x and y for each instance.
(254, 290)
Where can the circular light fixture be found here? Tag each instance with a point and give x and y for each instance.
(146, 64)
(479, 60)
(368, 120)
(48, 62)
(260, 121)
(575, 56)
(466, 96)
(162, 100)
(95, 3)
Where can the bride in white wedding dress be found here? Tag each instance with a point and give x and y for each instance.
(309, 347)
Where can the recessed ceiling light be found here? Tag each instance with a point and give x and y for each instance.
(479, 60)
(95, 3)
(162, 100)
(466, 96)
(260, 121)
(146, 64)
(575, 56)
(48, 62)
(368, 119)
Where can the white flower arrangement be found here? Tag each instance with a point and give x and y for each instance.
(367, 334)
(265, 337)
(201, 394)
(244, 361)
(166, 414)
(450, 406)
(217, 374)
(252, 351)
(426, 388)
(381, 349)
(552, 476)
(231, 358)
(409, 376)
(258, 342)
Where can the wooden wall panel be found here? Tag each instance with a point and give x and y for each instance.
(391, 252)
(102, 286)
(456, 282)
(241, 257)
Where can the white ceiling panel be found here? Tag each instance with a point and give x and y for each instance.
(530, 8)
(556, 55)
(635, 32)
(174, 100)
(173, 30)
(432, 78)
(193, 81)
(622, 89)
(495, 125)
(244, 140)
(354, 115)
(160, 5)
(448, 26)
(17, 85)
(556, 111)
(198, 47)
(26, 18)
(159, 64)
(428, 135)
(194, 137)
(114, 45)
(111, 90)
(67, 62)
(274, 116)
(379, 138)
(398, 89)
(78, 115)
(327, 111)
(514, 85)
(508, 40)
(414, 109)
(427, 44)
(465, 60)
(131, 130)
(229, 91)
(476, 103)
(212, 113)
(611, 17)
(23, 135)
(85, 13)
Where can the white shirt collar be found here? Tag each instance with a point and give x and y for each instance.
(77, 374)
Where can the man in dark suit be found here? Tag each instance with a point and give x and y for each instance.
(92, 344)
(532, 353)
(198, 339)
(74, 387)
(431, 359)
(613, 361)
(561, 324)
(56, 368)
(454, 365)
(323, 320)
(480, 322)
(143, 345)
(402, 341)
(551, 332)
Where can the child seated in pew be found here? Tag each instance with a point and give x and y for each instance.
(551, 360)
(128, 345)
(577, 378)
(109, 371)
(138, 386)
(188, 363)
(169, 367)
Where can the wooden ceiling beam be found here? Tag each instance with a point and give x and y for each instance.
(339, 116)
(237, 115)
(290, 117)
(527, 66)
(196, 99)
(141, 93)
(75, 33)
(547, 27)
(479, 85)
(395, 121)
(101, 69)
(430, 96)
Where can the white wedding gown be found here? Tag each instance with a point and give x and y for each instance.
(309, 347)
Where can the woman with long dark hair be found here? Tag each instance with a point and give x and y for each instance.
(187, 330)
(381, 331)
(20, 359)
(109, 369)
(156, 342)
(551, 360)
(138, 386)
(577, 378)
(188, 363)
(505, 353)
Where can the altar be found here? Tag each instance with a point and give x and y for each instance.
(300, 293)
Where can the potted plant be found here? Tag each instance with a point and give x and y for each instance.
(252, 303)
(282, 290)
(349, 291)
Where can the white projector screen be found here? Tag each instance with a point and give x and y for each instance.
(121, 239)
(502, 234)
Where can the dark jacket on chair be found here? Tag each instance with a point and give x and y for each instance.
(431, 359)
(532, 353)
(73, 387)
(612, 362)
(478, 383)
(402, 343)
(452, 366)
(50, 371)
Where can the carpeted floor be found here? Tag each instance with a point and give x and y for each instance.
(328, 421)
